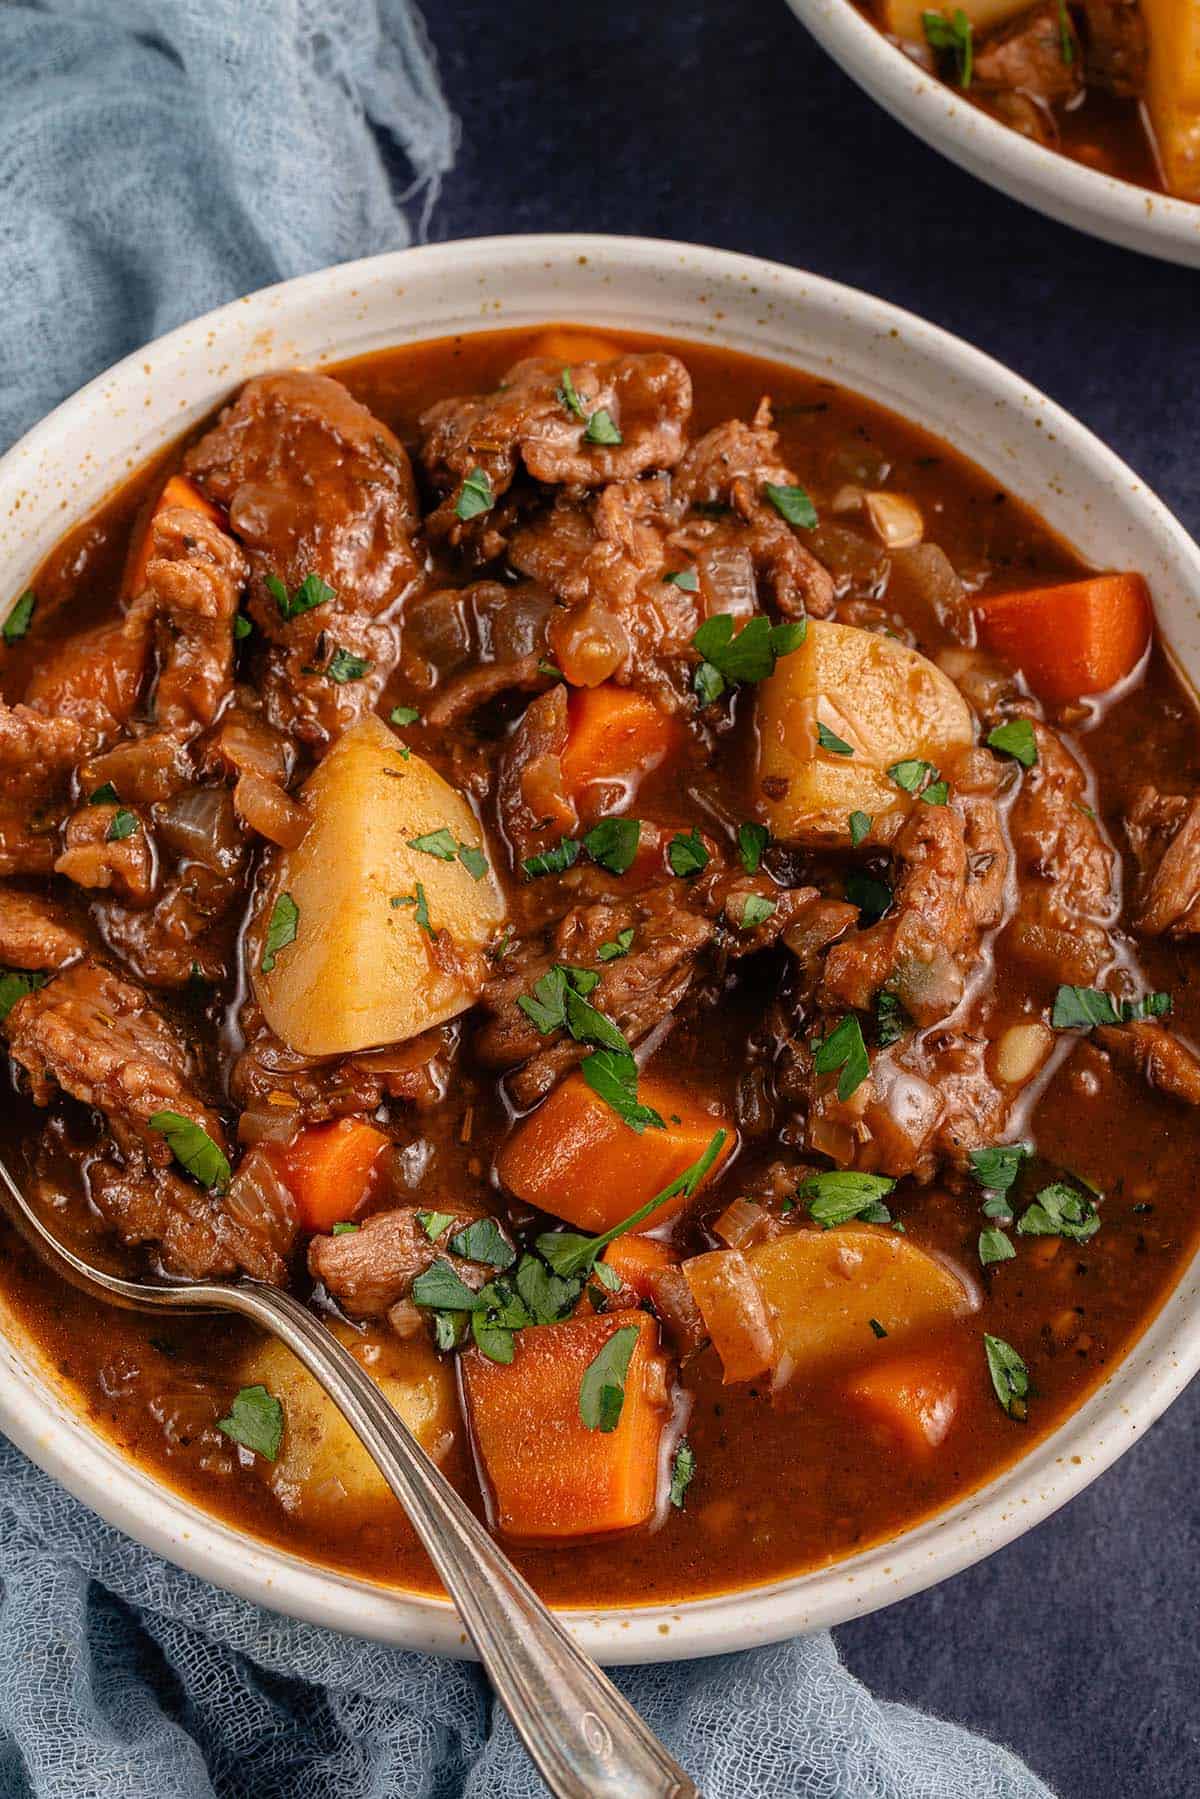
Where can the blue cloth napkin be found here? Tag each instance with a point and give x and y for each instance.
(155, 160)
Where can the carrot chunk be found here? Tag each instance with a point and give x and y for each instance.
(328, 1168)
(179, 491)
(1078, 638)
(635, 1260)
(575, 1157)
(548, 1475)
(568, 346)
(916, 1399)
(613, 734)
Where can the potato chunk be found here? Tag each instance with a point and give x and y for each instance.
(1173, 91)
(886, 702)
(823, 1288)
(322, 1471)
(903, 18)
(363, 968)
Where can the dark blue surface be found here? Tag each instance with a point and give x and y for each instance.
(725, 125)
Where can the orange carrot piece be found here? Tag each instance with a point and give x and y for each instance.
(915, 1398)
(1077, 638)
(329, 1167)
(613, 734)
(576, 1158)
(548, 1475)
(634, 1259)
(179, 491)
(567, 346)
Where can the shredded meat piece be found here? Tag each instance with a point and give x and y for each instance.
(34, 933)
(1026, 56)
(38, 753)
(193, 582)
(1164, 833)
(314, 484)
(724, 896)
(1117, 47)
(95, 678)
(269, 1075)
(527, 421)
(1067, 903)
(142, 769)
(533, 807)
(92, 858)
(636, 992)
(466, 693)
(368, 1270)
(1157, 1055)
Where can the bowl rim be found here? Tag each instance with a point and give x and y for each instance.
(1133, 1393)
(1103, 205)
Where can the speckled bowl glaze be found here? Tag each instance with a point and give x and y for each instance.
(1066, 190)
(66, 466)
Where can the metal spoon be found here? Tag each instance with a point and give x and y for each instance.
(584, 1739)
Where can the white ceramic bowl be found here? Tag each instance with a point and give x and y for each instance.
(1054, 184)
(71, 461)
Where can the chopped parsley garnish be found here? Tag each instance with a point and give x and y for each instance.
(998, 1166)
(871, 896)
(613, 843)
(750, 655)
(14, 986)
(937, 793)
(876, 1327)
(1010, 1376)
(475, 495)
(914, 774)
(829, 740)
(1151, 1005)
(440, 1287)
(256, 1421)
(344, 1230)
(620, 946)
(612, 1076)
(570, 1254)
(422, 912)
(860, 825)
(841, 1194)
(843, 1049)
(434, 1223)
(683, 1468)
(756, 911)
(552, 862)
(792, 504)
(1081, 1008)
(403, 715)
(241, 626)
(568, 398)
(17, 624)
(124, 824)
(587, 1025)
(483, 1241)
(687, 854)
(1060, 1210)
(104, 796)
(1015, 739)
(311, 592)
(994, 1246)
(686, 579)
(546, 1005)
(193, 1149)
(446, 847)
(955, 36)
(891, 1020)
(601, 428)
(546, 1296)
(602, 1389)
(281, 930)
(1066, 41)
(344, 666)
(752, 844)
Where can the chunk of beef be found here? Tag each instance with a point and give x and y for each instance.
(529, 421)
(1067, 903)
(726, 897)
(466, 693)
(1157, 1055)
(38, 755)
(534, 809)
(193, 583)
(730, 454)
(96, 677)
(140, 769)
(315, 485)
(369, 1269)
(100, 854)
(35, 933)
(1164, 833)
(274, 1081)
(1117, 47)
(1026, 56)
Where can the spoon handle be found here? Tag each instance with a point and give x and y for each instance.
(584, 1739)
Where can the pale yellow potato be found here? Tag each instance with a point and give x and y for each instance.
(362, 971)
(904, 18)
(822, 1289)
(1173, 91)
(889, 703)
(322, 1472)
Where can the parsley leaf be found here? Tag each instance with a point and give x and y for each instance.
(877, 1329)
(242, 627)
(994, 1246)
(124, 824)
(474, 496)
(792, 504)
(546, 1005)
(612, 1076)
(281, 930)
(937, 793)
(829, 740)
(344, 1230)
(891, 1020)
(1060, 1210)
(687, 855)
(602, 1389)
(683, 1467)
(255, 1420)
(842, 1194)
(438, 843)
(311, 592)
(444, 1290)
(750, 655)
(1081, 1008)
(14, 986)
(1151, 1005)
(756, 911)
(686, 579)
(403, 715)
(473, 860)
(1015, 739)
(422, 912)
(998, 1166)
(587, 1025)
(613, 843)
(20, 618)
(193, 1149)
(620, 946)
(552, 862)
(601, 428)
(344, 666)
(752, 844)
(483, 1241)
(860, 825)
(954, 35)
(104, 796)
(547, 1297)
(1010, 1376)
(568, 398)
(570, 1254)
(912, 774)
(843, 1048)
(434, 1223)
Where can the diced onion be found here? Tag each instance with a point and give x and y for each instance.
(267, 809)
(898, 520)
(734, 1312)
(742, 1223)
(1021, 1050)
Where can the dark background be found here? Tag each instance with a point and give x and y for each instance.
(726, 125)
